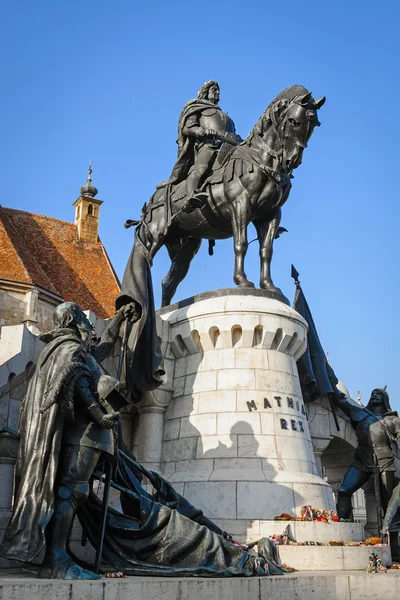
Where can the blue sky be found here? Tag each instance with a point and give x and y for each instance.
(106, 81)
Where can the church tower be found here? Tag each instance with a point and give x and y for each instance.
(87, 210)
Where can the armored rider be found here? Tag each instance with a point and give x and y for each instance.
(202, 129)
(65, 426)
(374, 453)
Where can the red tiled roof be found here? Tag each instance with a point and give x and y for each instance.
(47, 252)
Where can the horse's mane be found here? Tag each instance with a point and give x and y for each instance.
(291, 92)
(281, 101)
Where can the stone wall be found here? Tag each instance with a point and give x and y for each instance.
(44, 314)
(29, 306)
(12, 308)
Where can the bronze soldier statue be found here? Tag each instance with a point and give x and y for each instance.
(64, 430)
(374, 454)
(66, 427)
(202, 128)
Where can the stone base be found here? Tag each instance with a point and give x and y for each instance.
(351, 585)
(303, 531)
(262, 499)
(332, 558)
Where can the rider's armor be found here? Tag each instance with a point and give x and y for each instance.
(214, 118)
(206, 147)
(373, 442)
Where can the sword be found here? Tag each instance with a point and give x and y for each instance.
(103, 520)
(109, 469)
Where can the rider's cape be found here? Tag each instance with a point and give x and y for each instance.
(186, 145)
(143, 361)
(46, 405)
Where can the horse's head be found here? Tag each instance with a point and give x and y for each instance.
(297, 126)
(289, 122)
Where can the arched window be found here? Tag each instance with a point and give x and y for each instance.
(78, 212)
(90, 209)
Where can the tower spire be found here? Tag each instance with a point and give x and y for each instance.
(89, 190)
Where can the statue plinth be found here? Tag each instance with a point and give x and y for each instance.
(236, 439)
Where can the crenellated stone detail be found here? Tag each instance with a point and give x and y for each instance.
(262, 324)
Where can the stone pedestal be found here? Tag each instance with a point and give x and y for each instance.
(236, 438)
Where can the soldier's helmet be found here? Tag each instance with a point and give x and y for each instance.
(384, 397)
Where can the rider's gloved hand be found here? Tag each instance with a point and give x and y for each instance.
(108, 420)
(98, 415)
(131, 311)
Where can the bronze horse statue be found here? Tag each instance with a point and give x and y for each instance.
(251, 185)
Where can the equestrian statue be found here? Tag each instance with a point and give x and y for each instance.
(219, 184)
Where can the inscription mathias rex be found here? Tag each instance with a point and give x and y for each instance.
(293, 424)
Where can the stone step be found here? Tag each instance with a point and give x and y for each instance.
(332, 558)
(351, 585)
(303, 531)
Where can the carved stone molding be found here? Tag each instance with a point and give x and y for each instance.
(237, 322)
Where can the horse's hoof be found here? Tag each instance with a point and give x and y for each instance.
(246, 284)
(270, 287)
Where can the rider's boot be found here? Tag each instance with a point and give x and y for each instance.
(192, 183)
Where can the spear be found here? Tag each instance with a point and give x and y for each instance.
(109, 469)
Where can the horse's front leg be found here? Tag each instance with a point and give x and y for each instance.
(240, 220)
(266, 231)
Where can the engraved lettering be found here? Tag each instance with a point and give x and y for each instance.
(301, 426)
(267, 403)
(278, 400)
(284, 424)
(297, 405)
(290, 402)
(293, 424)
(303, 410)
(251, 405)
